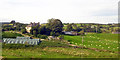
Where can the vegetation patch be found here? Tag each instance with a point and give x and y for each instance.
(103, 41)
(10, 35)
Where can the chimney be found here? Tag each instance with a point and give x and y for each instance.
(34, 24)
(30, 22)
(39, 23)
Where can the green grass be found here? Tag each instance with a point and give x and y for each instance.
(60, 49)
(0, 49)
(51, 49)
(55, 52)
(100, 41)
(10, 35)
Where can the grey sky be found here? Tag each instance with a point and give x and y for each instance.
(73, 11)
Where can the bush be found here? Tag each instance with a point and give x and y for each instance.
(23, 31)
(82, 32)
(43, 36)
(61, 37)
(16, 46)
(69, 40)
(10, 35)
(28, 34)
(38, 35)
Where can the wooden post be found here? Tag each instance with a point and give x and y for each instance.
(82, 39)
(96, 29)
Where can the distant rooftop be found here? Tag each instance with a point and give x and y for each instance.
(5, 22)
(33, 24)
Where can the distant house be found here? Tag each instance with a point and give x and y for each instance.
(7, 24)
(93, 26)
(29, 27)
(68, 33)
(115, 32)
(71, 33)
(21, 40)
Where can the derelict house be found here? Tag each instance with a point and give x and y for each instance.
(21, 40)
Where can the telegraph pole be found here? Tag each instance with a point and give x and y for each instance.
(96, 29)
(82, 39)
(82, 42)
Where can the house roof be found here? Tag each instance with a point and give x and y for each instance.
(32, 24)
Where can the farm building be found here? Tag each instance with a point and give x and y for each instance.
(71, 33)
(29, 27)
(21, 40)
(115, 32)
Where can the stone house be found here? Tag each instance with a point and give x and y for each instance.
(29, 27)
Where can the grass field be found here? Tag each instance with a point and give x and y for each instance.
(52, 49)
(61, 49)
(10, 35)
(0, 49)
(100, 41)
(55, 52)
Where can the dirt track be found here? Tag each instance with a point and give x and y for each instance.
(1, 57)
(95, 49)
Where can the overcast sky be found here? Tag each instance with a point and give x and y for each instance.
(70, 11)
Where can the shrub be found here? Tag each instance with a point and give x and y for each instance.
(82, 32)
(43, 36)
(23, 31)
(28, 34)
(61, 37)
(69, 40)
(38, 35)
(16, 46)
(10, 35)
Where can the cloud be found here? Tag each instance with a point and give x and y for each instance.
(66, 10)
(106, 12)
